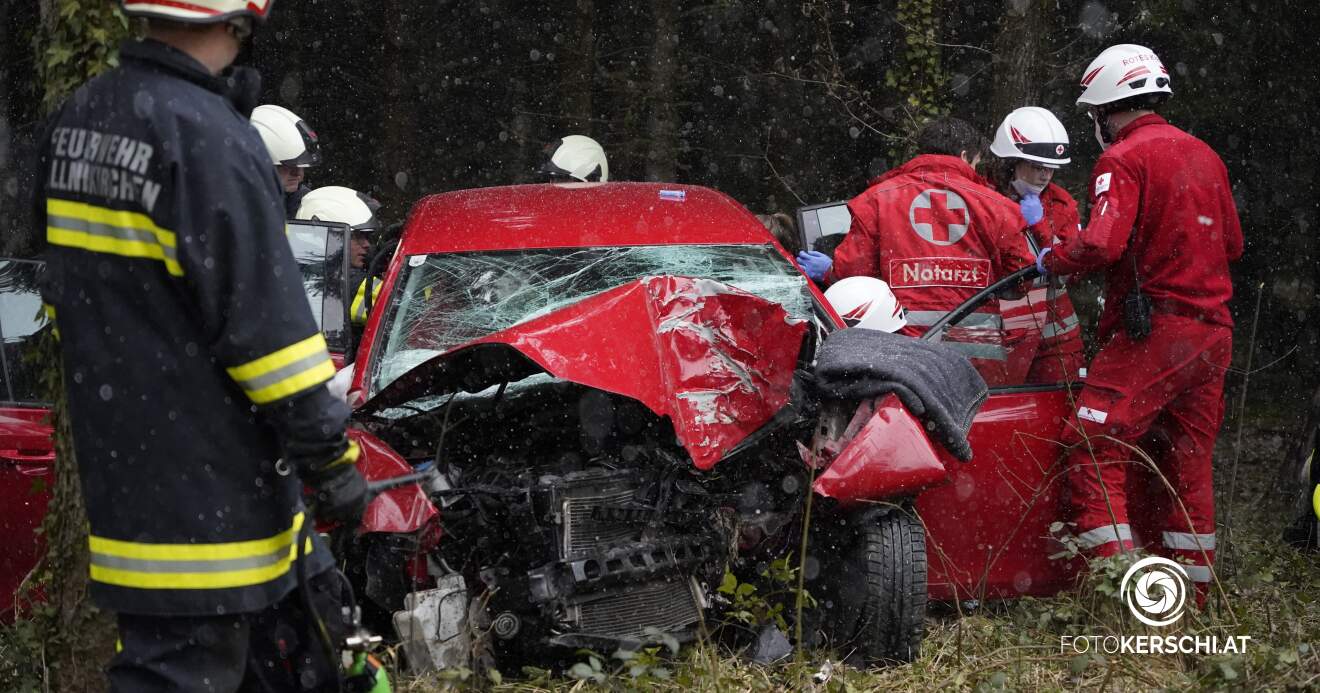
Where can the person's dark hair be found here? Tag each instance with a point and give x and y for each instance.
(950, 136)
(828, 244)
(781, 226)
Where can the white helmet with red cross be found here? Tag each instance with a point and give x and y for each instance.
(198, 11)
(866, 302)
(1121, 72)
(1034, 134)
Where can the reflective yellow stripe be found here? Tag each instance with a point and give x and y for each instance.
(350, 456)
(286, 372)
(358, 310)
(49, 312)
(158, 566)
(114, 231)
(1315, 501)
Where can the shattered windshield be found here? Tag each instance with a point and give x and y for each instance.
(443, 301)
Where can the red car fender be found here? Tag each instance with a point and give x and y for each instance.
(890, 456)
(397, 511)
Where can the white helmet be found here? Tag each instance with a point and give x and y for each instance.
(288, 139)
(1121, 72)
(198, 11)
(866, 302)
(577, 156)
(337, 204)
(1034, 134)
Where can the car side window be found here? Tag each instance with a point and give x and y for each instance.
(20, 319)
(319, 251)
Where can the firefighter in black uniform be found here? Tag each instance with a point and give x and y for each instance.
(194, 370)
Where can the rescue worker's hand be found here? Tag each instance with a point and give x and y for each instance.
(814, 264)
(1040, 262)
(339, 494)
(1032, 209)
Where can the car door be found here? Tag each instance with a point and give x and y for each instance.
(989, 529)
(27, 454)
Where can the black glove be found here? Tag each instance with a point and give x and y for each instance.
(339, 494)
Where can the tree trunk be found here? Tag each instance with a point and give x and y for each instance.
(1017, 57)
(398, 115)
(662, 123)
(579, 70)
(77, 638)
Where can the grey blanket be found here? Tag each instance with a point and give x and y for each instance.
(935, 383)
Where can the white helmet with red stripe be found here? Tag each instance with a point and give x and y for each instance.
(1121, 72)
(866, 302)
(198, 11)
(1034, 134)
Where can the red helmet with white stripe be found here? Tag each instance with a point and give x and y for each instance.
(1121, 72)
(198, 11)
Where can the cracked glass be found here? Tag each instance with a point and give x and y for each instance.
(443, 301)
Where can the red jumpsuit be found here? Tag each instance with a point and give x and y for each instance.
(1161, 206)
(937, 235)
(1046, 314)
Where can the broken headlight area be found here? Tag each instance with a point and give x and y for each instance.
(572, 517)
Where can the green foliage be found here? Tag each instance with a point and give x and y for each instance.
(765, 600)
(920, 77)
(81, 40)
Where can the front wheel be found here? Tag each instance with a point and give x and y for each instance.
(877, 596)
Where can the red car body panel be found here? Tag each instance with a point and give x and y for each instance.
(718, 362)
(988, 529)
(572, 215)
(890, 457)
(399, 510)
(27, 475)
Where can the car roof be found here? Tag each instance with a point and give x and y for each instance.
(576, 215)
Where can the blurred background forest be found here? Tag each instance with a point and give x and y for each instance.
(777, 103)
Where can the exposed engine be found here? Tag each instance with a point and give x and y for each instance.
(576, 520)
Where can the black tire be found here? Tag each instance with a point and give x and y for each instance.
(877, 608)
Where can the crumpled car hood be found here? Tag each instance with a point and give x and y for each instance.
(715, 360)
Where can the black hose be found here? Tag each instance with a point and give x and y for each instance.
(304, 587)
(936, 331)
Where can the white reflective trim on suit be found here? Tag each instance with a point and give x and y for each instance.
(1104, 535)
(1197, 573)
(925, 318)
(1185, 541)
(1063, 326)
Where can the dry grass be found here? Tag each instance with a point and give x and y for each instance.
(1272, 593)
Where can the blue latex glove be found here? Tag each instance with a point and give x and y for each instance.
(1040, 262)
(1032, 209)
(814, 264)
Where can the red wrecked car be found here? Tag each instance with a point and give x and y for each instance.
(612, 384)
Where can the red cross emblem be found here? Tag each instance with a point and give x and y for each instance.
(939, 216)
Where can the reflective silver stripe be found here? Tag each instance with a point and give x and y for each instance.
(1104, 535)
(275, 376)
(121, 233)
(922, 318)
(988, 352)
(1197, 573)
(1064, 326)
(143, 565)
(1189, 542)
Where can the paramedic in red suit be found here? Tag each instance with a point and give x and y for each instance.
(1162, 222)
(937, 234)
(1045, 340)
